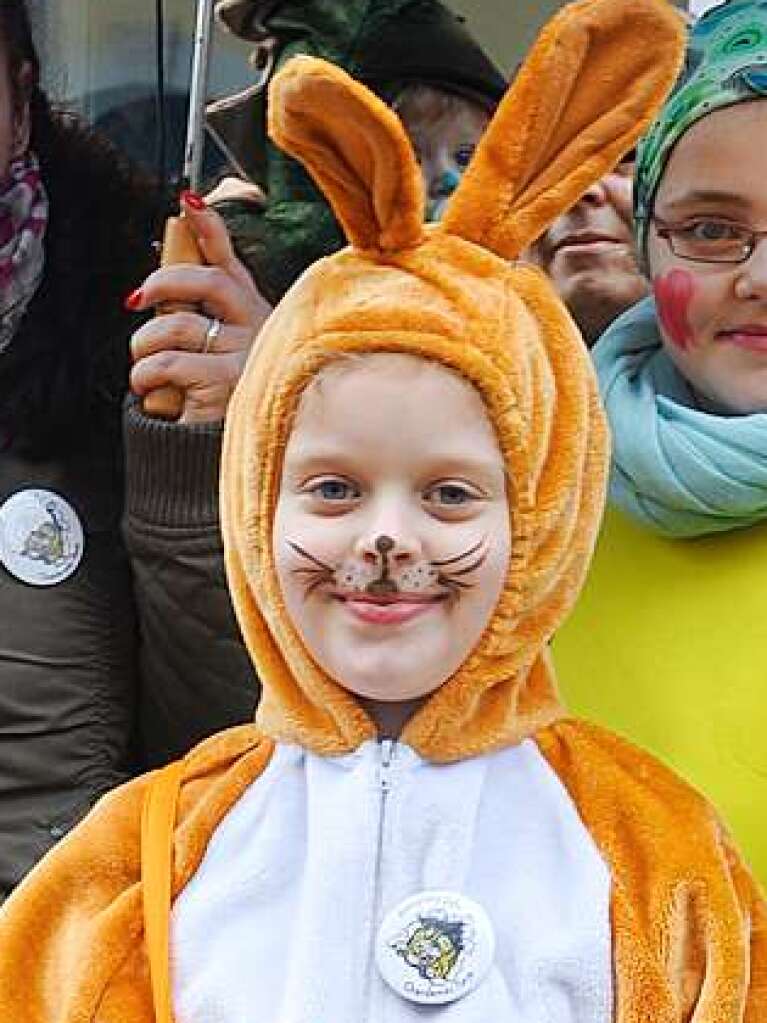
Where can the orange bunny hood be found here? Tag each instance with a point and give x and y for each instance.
(449, 293)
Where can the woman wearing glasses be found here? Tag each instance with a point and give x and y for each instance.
(675, 616)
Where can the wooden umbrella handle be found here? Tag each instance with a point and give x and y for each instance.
(179, 246)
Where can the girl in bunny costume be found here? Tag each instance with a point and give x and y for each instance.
(413, 477)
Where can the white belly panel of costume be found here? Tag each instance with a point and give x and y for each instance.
(279, 923)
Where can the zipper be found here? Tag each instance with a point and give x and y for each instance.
(388, 747)
(387, 755)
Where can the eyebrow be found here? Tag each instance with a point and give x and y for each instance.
(318, 460)
(707, 195)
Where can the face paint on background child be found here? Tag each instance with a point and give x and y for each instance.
(673, 294)
(445, 129)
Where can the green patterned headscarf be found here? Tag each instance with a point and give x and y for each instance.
(726, 63)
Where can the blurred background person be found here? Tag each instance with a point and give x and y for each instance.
(77, 223)
(419, 57)
(590, 256)
(590, 252)
(671, 621)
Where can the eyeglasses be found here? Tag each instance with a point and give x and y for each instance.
(709, 240)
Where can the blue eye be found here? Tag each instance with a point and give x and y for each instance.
(714, 231)
(463, 156)
(449, 495)
(335, 490)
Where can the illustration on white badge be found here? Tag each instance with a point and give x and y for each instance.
(41, 538)
(435, 947)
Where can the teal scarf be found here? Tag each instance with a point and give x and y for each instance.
(678, 470)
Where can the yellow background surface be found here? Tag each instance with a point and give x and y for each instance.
(668, 646)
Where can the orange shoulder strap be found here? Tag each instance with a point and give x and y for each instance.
(157, 828)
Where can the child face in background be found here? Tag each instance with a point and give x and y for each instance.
(391, 538)
(444, 129)
(713, 316)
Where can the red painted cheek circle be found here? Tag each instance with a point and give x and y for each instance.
(673, 294)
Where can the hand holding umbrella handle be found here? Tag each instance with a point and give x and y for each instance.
(179, 246)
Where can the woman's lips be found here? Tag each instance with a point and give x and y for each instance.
(753, 337)
(394, 610)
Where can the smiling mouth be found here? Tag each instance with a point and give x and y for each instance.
(389, 609)
(587, 240)
(751, 336)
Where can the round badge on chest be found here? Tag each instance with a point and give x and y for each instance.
(41, 538)
(435, 947)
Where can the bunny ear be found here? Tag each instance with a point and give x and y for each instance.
(593, 81)
(354, 147)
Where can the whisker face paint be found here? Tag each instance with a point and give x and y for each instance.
(309, 557)
(459, 557)
(451, 579)
(673, 294)
(380, 579)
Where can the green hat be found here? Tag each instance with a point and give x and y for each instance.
(384, 43)
(726, 63)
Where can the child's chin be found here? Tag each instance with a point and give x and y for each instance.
(388, 678)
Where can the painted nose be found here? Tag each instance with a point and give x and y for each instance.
(388, 538)
(384, 583)
(378, 548)
(446, 183)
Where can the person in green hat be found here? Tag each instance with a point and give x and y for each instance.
(671, 622)
(416, 54)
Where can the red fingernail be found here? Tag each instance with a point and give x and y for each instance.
(189, 198)
(134, 300)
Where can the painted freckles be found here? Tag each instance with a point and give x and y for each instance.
(673, 293)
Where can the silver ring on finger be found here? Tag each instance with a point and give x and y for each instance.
(214, 329)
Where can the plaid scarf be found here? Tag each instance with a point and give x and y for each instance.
(23, 219)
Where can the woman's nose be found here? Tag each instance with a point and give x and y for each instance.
(751, 280)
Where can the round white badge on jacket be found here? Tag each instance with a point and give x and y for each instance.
(435, 947)
(41, 538)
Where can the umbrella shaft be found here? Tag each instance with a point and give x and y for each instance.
(195, 137)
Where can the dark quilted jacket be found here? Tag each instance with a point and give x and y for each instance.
(79, 658)
(196, 677)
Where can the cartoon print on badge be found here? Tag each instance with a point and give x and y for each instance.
(352, 576)
(46, 543)
(41, 537)
(431, 947)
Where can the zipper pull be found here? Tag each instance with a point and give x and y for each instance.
(387, 755)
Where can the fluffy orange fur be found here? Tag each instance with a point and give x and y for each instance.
(448, 293)
(689, 928)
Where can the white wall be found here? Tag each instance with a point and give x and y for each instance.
(117, 36)
(90, 45)
(505, 28)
